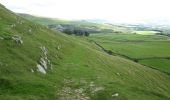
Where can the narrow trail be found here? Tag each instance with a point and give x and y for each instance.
(132, 59)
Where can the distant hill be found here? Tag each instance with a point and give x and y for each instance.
(98, 24)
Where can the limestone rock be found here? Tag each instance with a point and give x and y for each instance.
(44, 62)
(115, 95)
(41, 69)
(17, 39)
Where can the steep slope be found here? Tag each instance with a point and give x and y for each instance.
(37, 63)
(43, 20)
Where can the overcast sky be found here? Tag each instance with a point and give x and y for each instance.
(124, 10)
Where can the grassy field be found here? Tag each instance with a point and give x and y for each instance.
(111, 37)
(161, 64)
(78, 69)
(146, 32)
(141, 47)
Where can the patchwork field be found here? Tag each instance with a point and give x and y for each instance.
(161, 64)
(146, 32)
(150, 50)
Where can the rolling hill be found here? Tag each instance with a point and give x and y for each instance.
(37, 63)
(103, 26)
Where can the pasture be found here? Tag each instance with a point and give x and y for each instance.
(146, 32)
(149, 50)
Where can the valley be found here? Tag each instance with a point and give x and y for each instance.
(39, 63)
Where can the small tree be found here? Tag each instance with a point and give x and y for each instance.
(86, 33)
(67, 31)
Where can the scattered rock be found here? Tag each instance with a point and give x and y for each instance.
(30, 30)
(115, 95)
(44, 50)
(68, 93)
(83, 82)
(41, 69)
(1, 38)
(32, 70)
(79, 90)
(79, 93)
(17, 39)
(98, 89)
(13, 25)
(20, 22)
(67, 82)
(92, 84)
(59, 47)
(94, 89)
(118, 74)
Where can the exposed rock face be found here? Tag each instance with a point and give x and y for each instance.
(41, 69)
(17, 39)
(115, 95)
(44, 62)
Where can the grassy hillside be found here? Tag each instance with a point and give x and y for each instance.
(150, 50)
(37, 63)
(43, 20)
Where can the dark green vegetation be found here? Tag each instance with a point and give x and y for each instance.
(77, 32)
(149, 50)
(80, 69)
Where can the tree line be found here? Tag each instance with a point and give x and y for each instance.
(77, 32)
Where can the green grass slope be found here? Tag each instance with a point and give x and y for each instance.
(78, 70)
(43, 20)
